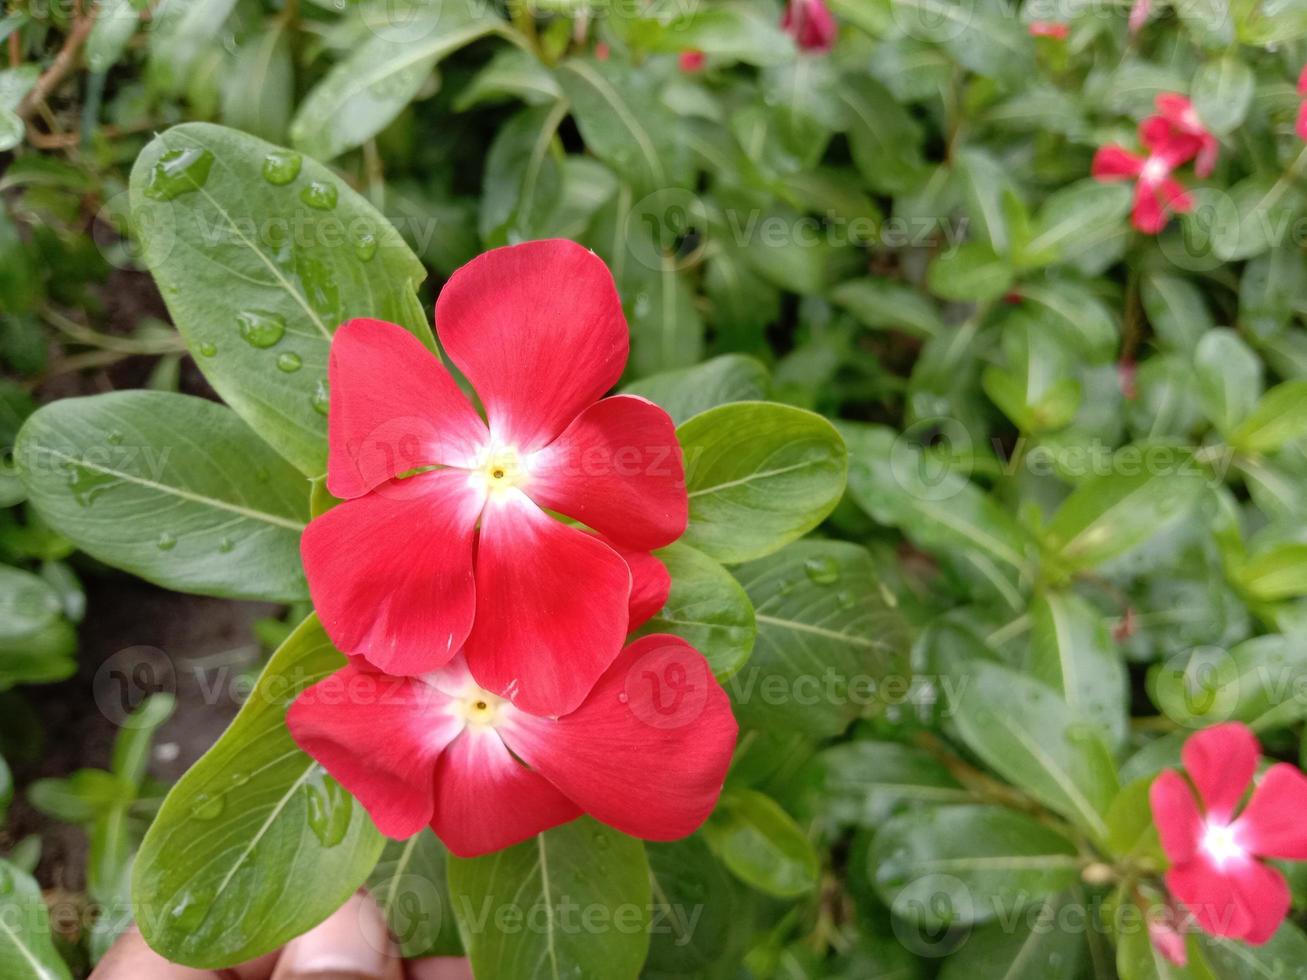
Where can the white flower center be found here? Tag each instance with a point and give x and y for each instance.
(1221, 844)
(1155, 170)
(478, 708)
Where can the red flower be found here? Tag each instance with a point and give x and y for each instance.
(1157, 193)
(445, 541)
(1179, 116)
(646, 752)
(1139, 15)
(1302, 110)
(811, 24)
(1216, 871)
(691, 61)
(1050, 28)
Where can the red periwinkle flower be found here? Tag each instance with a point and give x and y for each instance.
(445, 540)
(1216, 849)
(1139, 15)
(1302, 110)
(646, 751)
(1050, 28)
(811, 24)
(691, 61)
(1178, 114)
(1157, 193)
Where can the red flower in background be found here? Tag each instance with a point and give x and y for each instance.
(1217, 848)
(1049, 28)
(1172, 137)
(1139, 15)
(691, 62)
(1178, 121)
(645, 752)
(1302, 110)
(445, 540)
(811, 24)
(1157, 194)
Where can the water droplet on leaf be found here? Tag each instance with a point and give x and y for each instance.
(280, 167)
(226, 546)
(289, 362)
(365, 246)
(207, 807)
(329, 809)
(823, 570)
(166, 542)
(207, 349)
(319, 195)
(321, 397)
(261, 329)
(178, 172)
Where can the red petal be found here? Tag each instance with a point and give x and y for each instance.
(1116, 163)
(1302, 122)
(1211, 897)
(486, 800)
(394, 408)
(1148, 215)
(379, 737)
(811, 24)
(391, 572)
(1265, 894)
(651, 584)
(617, 468)
(538, 329)
(1274, 824)
(551, 607)
(1175, 811)
(648, 750)
(1207, 158)
(1221, 761)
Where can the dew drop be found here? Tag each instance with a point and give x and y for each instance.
(329, 810)
(166, 542)
(115, 438)
(823, 570)
(207, 807)
(623, 697)
(289, 362)
(280, 167)
(178, 172)
(319, 195)
(321, 397)
(207, 349)
(87, 484)
(226, 546)
(261, 329)
(239, 778)
(365, 246)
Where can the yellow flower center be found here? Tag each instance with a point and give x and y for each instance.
(480, 708)
(498, 470)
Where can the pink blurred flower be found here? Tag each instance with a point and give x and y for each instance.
(811, 24)
(1050, 28)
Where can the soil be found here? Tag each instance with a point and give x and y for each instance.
(150, 638)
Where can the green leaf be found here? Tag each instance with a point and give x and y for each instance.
(1148, 488)
(523, 178)
(1229, 378)
(15, 83)
(363, 93)
(1075, 220)
(1025, 732)
(1280, 417)
(1284, 957)
(1177, 310)
(1039, 946)
(115, 23)
(1275, 574)
(257, 279)
(409, 883)
(1072, 652)
(967, 864)
(511, 74)
(707, 608)
(622, 122)
(828, 639)
(882, 304)
(26, 949)
(1222, 94)
(695, 909)
(1256, 682)
(883, 137)
(865, 783)
(759, 476)
(762, 845)
(934, 503)
(28, 604)
(572, 902)
(686, 392)
(259, 92)
(256, 844)
(733, 31)
(971, 273)
(172, 488)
